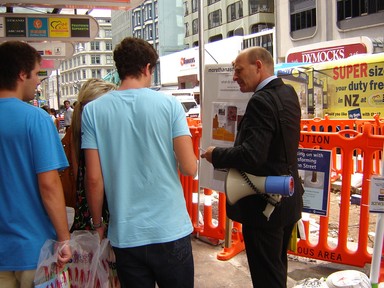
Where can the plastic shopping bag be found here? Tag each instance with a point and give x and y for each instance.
(106, 272)
(48, 274)
(80, 272)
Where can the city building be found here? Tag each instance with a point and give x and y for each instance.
(91, 60)
(159, 24)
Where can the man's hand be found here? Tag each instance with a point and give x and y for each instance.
(207, 155)
(64, 253)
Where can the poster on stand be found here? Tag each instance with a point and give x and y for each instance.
(223, 107)
(314, 172)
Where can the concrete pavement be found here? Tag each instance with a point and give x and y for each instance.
(213, 273)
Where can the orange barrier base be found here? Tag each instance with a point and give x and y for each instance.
(235, 248)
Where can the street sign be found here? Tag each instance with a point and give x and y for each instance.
(54, 50)
(48, 27)
(79, 4)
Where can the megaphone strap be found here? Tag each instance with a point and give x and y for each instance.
(265, 196)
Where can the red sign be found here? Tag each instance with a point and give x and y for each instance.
(327, 54)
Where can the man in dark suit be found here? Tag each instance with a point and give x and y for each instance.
(266, 144)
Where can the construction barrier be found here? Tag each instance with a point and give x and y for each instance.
(356, 146)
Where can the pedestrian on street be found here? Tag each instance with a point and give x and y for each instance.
(264, 146)
(32, 207)
(136, 140)
(68, 112)
(92, 89)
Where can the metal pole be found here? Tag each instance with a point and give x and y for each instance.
(201, 83)
(377, 247)
(58, 89)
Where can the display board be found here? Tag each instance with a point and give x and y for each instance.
(223, 107)
(48, 27)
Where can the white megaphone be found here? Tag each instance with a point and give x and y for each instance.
(237, 187)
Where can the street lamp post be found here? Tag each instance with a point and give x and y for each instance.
(58, 89)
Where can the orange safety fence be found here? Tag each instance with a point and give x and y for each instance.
(347, 141)
(357, 149)
(334, 125)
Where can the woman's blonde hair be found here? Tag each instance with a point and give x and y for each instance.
(92, 89)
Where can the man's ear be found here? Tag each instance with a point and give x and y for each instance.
(147, 70)
(259, 64)
(23, 76)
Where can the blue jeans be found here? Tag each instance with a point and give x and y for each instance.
(167, 264)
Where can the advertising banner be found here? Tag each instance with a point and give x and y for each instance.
(351, 88)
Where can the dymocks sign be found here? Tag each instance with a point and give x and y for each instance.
(327, 54)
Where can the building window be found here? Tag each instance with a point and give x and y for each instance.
(186, 26)
(214, 19)
(137, 33)
(215, 38)
(84, 73)
(95, 46)
(136, 18)
(95, 59)
(148, 12)
(156, 10)
(210, 2)
(195, 4)
(265, 41)
(96, 73)
(149, 32)
(260, 6)
(108, 59)
(108, 46)
(108, 33)
(260, 27)
(83, 59)
(235, 11)
(303, 14)
(195, 26)
(354, 14)
(347, 9)
(157, 30)
(186, 11)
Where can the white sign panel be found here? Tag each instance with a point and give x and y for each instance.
(223, 107)
(377, 194)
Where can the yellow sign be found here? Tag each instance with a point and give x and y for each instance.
(59, 27)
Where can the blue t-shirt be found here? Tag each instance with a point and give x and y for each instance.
(133, 131)
(29, 145)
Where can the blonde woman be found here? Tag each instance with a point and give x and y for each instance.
(92, 89)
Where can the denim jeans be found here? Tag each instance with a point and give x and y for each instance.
(167, 264)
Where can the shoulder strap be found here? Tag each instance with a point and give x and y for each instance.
(280, 111)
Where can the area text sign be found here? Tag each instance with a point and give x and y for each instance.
(48, 27)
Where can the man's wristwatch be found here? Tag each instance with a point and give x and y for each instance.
(96, 225)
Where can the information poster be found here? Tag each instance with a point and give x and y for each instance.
(223, 107)
(314, 171)
(377, 194)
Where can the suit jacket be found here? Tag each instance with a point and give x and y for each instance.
(259, 150)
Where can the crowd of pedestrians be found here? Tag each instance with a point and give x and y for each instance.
(118, 166)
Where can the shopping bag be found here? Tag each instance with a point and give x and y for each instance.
(82, 270)
(48, 273)
(106, 272)
(93, 264)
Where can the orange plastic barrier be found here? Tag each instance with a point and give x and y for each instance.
(348, 141)
(354, 150)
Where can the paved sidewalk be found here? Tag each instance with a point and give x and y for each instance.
(213, 273)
